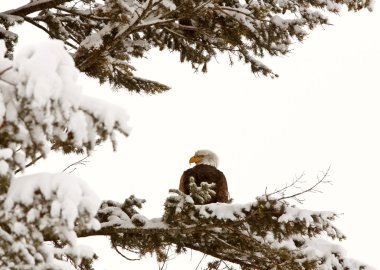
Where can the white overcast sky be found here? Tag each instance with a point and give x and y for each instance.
(323, 110)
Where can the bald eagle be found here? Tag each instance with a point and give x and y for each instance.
(205, 171)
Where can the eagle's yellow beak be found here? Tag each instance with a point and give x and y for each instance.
(195, 159)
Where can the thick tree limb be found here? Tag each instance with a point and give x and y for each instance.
(35, 6)
(258, 235)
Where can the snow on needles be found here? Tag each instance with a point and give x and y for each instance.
(44, 207)
(40, 96)
(42, 108)
(48, 73)
(70, 196)
(224, 210)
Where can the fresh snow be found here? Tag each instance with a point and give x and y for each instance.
(58, 203)
(4, 167)
(69, 194)
(223, 210)
(293, 213)
(40, 95)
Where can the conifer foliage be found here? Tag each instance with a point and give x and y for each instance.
(104, 36)
(268, 233)
(42, 109)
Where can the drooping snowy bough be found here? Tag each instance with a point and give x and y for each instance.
(45, 207)
(42, 108)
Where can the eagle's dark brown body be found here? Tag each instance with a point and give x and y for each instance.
(209, 174)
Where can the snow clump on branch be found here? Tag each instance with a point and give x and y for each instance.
(42, 108)
(46, 207)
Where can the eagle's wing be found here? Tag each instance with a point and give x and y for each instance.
(182, 183)
(222, 190)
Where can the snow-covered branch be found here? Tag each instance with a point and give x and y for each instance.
(42, 108)
(34, 6)
(262, 234)
(45, 207)
(105, 35)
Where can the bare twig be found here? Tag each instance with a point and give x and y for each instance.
(164, 264)
(204, 256)
(6, 81)
(51, 34)
(82, 14)
(296, 180)
(82, 161)
(5, 70)
(312, 188)
(227, 266)
(293, 184)
(29, 164)
(121, 254)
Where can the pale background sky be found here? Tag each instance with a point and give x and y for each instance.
(323, 110)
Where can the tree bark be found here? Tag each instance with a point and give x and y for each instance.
(36, 6)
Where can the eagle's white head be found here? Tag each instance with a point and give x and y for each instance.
(205, 157)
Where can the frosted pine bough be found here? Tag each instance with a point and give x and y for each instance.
(104, 36)
(42, 108)
(45, 207)
(265, 234)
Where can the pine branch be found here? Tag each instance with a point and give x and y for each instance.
(259, 235)
(239, 236)
(104, 43)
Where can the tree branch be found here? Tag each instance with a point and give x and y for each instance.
(35, 6)
(109, 230)
(82, 161)
(293, 184)
(122, 255)
(31, 21)
(30, 163)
